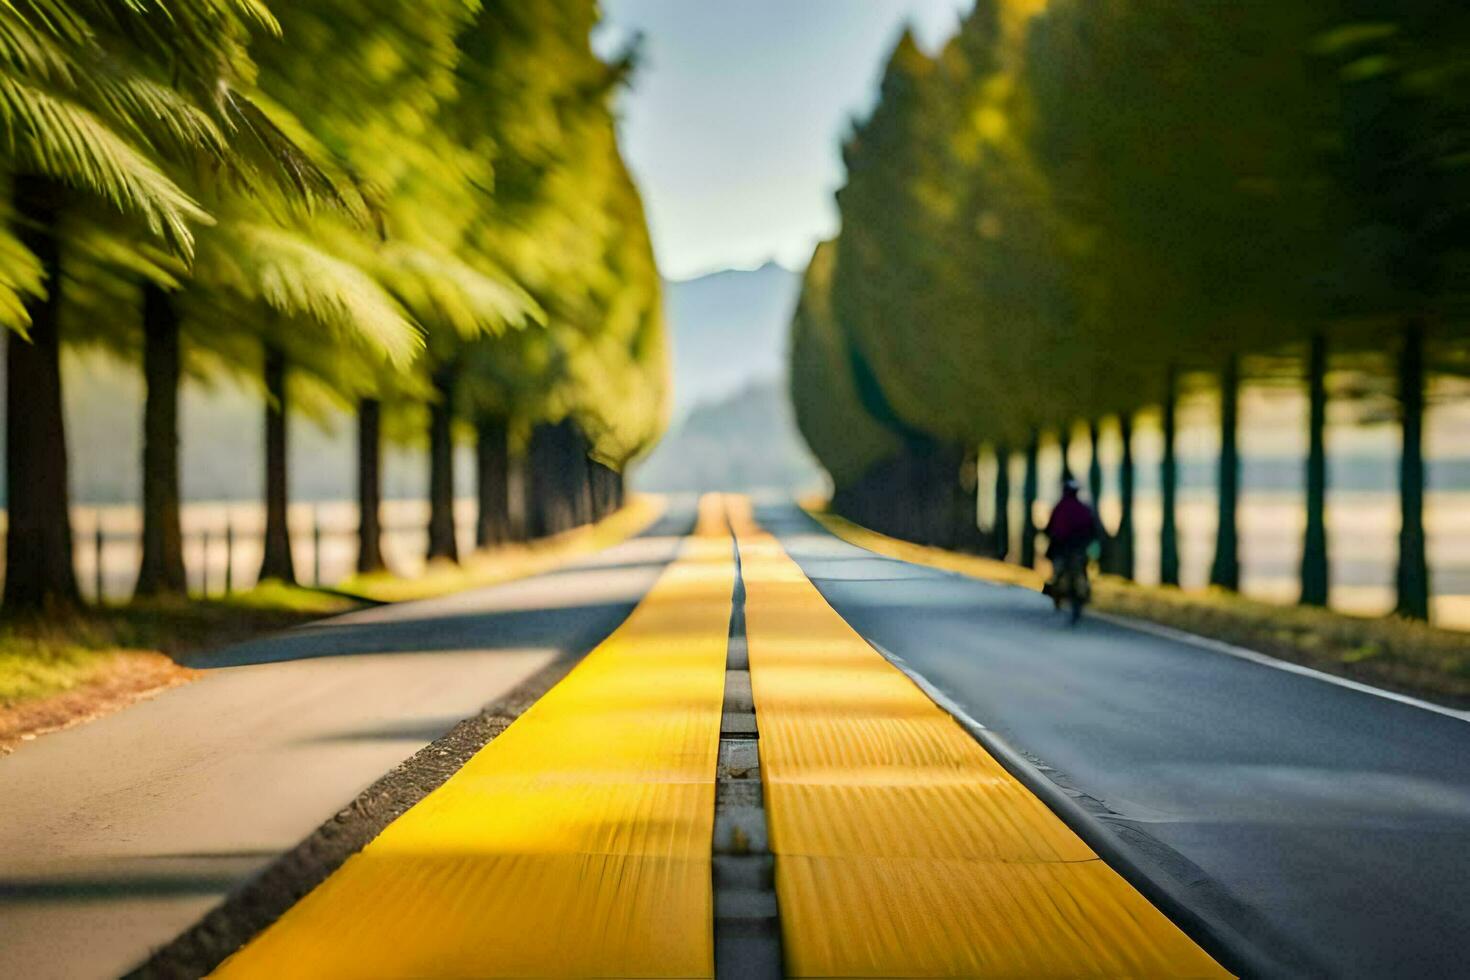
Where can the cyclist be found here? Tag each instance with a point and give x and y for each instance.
(1071, 531)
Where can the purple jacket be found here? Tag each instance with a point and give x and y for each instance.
(1072, 525)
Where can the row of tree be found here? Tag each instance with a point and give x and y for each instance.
(417, 211)
(1075, 209)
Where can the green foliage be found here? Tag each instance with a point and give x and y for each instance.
(567, 223)
(1071, 199)
(378, 187)
(343, 200)
(294, 277)
(31, 667)
(829, 409)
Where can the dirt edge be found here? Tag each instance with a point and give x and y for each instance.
(131, 676)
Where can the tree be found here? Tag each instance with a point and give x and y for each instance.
(428, 196)
(369, 486)
(829, 410)
(588, 392)
(1225, 572)
(1123, 539)
(1028, 504)
(1413, 565)
(493, 524)
(1315, 571)
(162, 565)
(1403, 174)
(262, 168)
(351, 200)
(38, 545)
(85, 121)
(1015, 256)
(1001, 533)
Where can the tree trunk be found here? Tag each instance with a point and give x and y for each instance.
(442, 540)
(536, 505)
(1094, 465)
(370, 487)
(162, 567)
(605, 489)
(620, 490)
(1064, 443)
(966, 495)
(517, 487)
(610, 480)
(1225, 572)
(1123, 540)
(1315, 574)
(912, 506)
(1095, 491)
(1413, 570)
(557, 483)
(38, 548)
(492, 482)
(1002, 528)
(1168, 488)
(579, 475)
(277, 562)
(932, 500)
(543, 491)
(1028, 505)
(597, 487)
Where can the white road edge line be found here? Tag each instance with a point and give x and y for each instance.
(1255, 657)
(1170, 633)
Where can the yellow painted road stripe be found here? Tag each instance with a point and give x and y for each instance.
(903, 849)
(577, 843)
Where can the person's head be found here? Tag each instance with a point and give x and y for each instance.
(1070, 487)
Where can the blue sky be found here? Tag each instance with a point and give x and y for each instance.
(734, 122)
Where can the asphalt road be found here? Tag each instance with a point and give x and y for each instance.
(1326, 829)
(117, 835)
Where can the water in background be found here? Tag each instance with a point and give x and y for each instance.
(1362, 503)
(221, 458)
(323, 542)
(1362, 528)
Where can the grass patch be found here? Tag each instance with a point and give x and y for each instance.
(50, 654)
(510, 561)
(30, 668)
(1399, 654)
(276, 596)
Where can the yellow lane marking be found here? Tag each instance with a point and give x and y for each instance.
(577, 843)
(903, 849)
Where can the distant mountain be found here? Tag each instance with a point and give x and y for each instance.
(728, 329)
(732, 423)
(747, 441)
